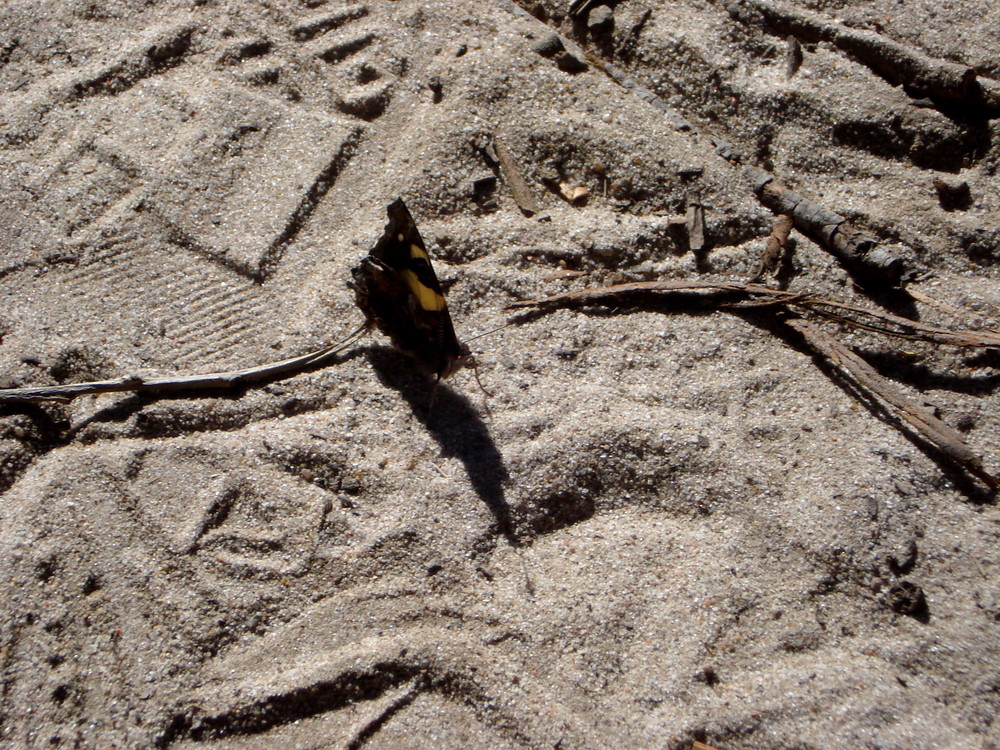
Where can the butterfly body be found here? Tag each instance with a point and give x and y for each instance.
(399, 293)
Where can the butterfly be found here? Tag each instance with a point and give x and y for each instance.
(396, 288)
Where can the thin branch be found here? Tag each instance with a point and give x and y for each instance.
(841, 312)
(404, 698)
(948, 441)
(210, 381)
(919, 74)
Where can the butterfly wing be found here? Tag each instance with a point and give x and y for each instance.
(400, 294)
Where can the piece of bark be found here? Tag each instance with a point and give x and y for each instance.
(774, 248)
(946, 439)
(695, 224)
(793, 56)
(859, 253)
(512, 176)
(576, 195)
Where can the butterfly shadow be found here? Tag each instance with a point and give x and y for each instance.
(456, 426)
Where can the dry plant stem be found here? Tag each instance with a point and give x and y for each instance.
(859, 253)
(949, 310)
(210, 381)
(946, 439)
(512, 176)
(369, 728)
(841, 312)
(777, 241)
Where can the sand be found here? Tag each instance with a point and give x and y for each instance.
(662, 526)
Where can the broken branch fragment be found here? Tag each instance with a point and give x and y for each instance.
(897, 63)
(777, 243)
(729, 292)
(793, 56)
(576, 195)
(695, 224)
(859, 253)
(946, 439)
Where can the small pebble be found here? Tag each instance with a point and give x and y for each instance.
(549, 46)
(601, 20)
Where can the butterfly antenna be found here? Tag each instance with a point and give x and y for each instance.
(487, 333)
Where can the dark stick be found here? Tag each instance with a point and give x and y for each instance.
(860, 254)
(209, 381)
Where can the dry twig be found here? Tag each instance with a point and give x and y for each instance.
(859, 253)
(777, 243)
(897, 63)
(182, 383)
(734, 292)
(947, 440)
(730, 295)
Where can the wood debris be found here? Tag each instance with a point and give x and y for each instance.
(897, 63)
(731, 292)
(947, 441)
(944, 438)
(182, 383)
(577, 195)
(856, 251)
(775, 247)
(695, 224)
(793, 56)
(512, 176)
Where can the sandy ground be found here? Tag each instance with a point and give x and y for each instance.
(669, 525)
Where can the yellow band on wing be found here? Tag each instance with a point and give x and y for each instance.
(426, 297)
